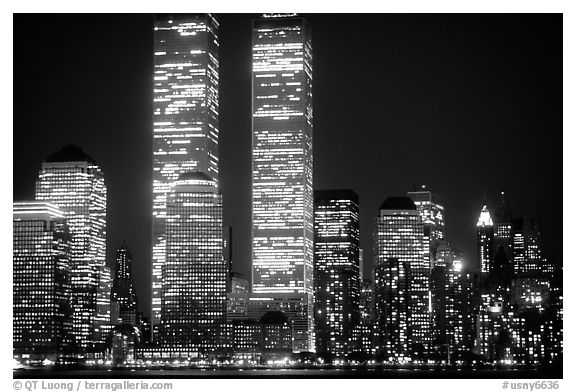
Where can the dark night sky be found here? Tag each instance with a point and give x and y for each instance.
(466, 104)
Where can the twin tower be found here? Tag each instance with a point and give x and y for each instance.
(187, 217)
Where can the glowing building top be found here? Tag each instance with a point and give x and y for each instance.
(484, 219)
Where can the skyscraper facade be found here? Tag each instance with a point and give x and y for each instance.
(527, 244)
(74, 182)
(336, 269)
(402, 251)
(503, 229)
(431, 209)
(393, 329)
(103, 318)
(485, 240)
(195, 272)
(123, 291)
(297, 307)
(185, 117)
(363, 334)
(282, 198)
(42, 315)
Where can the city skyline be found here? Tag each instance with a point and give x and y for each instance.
(326, 176)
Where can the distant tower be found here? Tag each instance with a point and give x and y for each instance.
(401, 254)
(527, 244)
(282, 168)
(186, 111)
(431, 209)
(74, 182)
(42, 316)
(503, 229)
(336, 269)
(485, 237)
(123, 292)
(195, 273)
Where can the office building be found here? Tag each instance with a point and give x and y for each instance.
(485, 241)
(185, 118)
(42, 315)
(298, 310)
(194, 273)
(282, 163)
(74, 182)
(363, 333)
(527, 245)
(503, 241)
(402, 255)
(336, 269)
(431, 209)
(105, 318)
(123, 291)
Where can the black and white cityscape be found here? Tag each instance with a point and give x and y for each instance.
(288, 191)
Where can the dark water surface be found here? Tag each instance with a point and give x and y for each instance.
(449, 373)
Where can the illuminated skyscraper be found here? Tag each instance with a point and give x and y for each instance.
(282, 199)
(363, 333)
(431, 209)
(194, 273)
(401, 255)
(503, 229)
(42, 316)
(450, 300)
(336, 269)
(485, 237)
(393, 331)
(123, 291)
(527, 244)
(185, 117)
(74, 182)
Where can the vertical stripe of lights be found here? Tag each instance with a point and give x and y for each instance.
(185, 117)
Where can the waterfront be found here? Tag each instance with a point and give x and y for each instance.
(358, 372)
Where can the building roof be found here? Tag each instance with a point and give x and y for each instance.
(398, 203)
(330, 194)
(70, 153)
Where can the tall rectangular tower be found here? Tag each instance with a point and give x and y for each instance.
(402, 247)
(41, 282)
(74, 182)
(282, 196)
(185, 117)
(336, 269)
(282, 199)
(195, 272)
